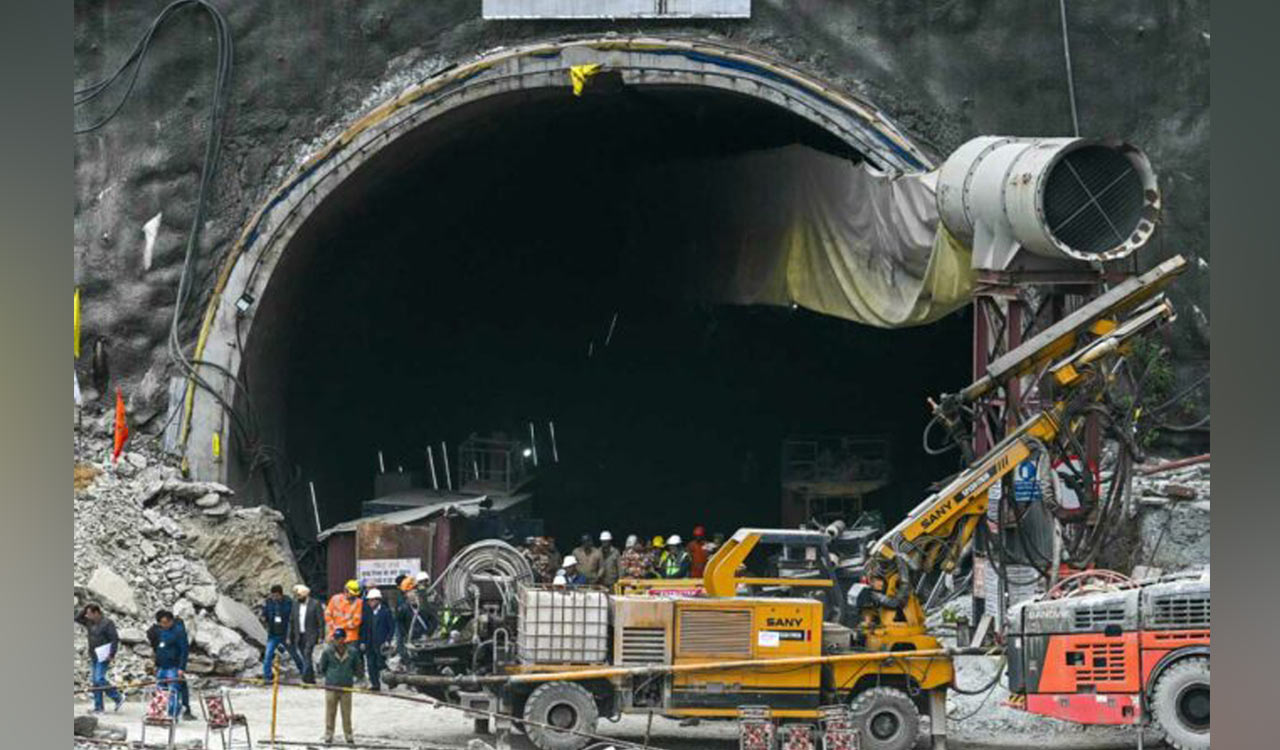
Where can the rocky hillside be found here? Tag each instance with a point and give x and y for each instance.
(145, 539)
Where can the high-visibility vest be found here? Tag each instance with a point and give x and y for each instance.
(671, 564)
(346, 613)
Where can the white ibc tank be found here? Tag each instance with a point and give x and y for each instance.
(569, 626)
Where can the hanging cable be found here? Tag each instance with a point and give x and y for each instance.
(1066, 53)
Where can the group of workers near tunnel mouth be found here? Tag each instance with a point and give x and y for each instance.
(358, 627)
(603, 564)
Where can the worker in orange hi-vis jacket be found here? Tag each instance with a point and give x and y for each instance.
(344, 612)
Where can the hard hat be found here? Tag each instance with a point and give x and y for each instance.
(699, 531)
(569, 560)
(353, 586)
(408, 583)
(673, 539)
(657, 541)
(559, 580)
(374, 593)
(605, 536)
(631, 540)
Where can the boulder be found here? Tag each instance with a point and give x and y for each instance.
(203, 596)
(209, 500)
(235, 615)
(197, 664)
(132, 635)
(218, 511)
(84, 726)
(223, 645)
(191, 490)
(113, 591)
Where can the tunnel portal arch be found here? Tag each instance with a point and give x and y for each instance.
(639, 61)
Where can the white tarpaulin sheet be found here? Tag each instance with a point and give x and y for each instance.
(795, 225)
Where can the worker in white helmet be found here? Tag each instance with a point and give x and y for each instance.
(569, 569)
(608, 561)
(676, 561)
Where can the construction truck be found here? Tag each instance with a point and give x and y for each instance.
(794, 641)
(1102, 649)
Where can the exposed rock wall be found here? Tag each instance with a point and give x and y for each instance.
(306, 69)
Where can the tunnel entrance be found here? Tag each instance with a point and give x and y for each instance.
(502, 264)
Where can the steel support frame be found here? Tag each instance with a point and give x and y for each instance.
(1008, 308)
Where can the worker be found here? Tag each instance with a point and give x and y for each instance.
(589, 559)
(608, 561)
(572, 572)
(184, 689)
(675, 562)
(104, 642)
(401, 612)
(344, 611)
(634, 561)
(275, 616)
(377, 629)
(306, 629)
(657, 553)
(698, 553)
(171, 647)
(559, 581)
(340, 665)
(423, 621)
(543, 558)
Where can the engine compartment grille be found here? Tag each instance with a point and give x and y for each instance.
(715, 631)
(644, 645)
(1096, 618)
(1179, 611)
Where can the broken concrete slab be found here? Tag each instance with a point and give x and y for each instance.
(203, 596)
(132, 635)
(208, 500)
(113, 591)
(219, 511)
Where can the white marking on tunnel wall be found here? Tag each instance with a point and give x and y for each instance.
(497, 10)
(149, 232)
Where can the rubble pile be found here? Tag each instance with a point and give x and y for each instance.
(1173, 518)
(141, 534)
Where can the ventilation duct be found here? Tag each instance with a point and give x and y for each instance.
(1064, 198)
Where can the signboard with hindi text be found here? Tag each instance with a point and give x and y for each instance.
(384, 572)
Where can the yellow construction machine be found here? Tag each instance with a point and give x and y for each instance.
(793, 642)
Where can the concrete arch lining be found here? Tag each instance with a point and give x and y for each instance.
(641, 61)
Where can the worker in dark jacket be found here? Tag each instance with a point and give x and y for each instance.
(153, 637)
(306, 629)
(104, 642)
(340, 665)
(171, 648)
(275, 615)
(402, 612)
(377, 628)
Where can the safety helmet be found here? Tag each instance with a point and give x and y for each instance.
(569, 560)
(657, 541)
(632, 540)
(408, 583)
(699, 531)
(673, 539)
(353, 586)
(374, 593)
(605, 536)
(559, 580)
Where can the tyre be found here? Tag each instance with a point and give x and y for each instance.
(1180, 704)
(562, 705)
(887, 719)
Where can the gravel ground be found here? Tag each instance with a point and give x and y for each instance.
(382, 721)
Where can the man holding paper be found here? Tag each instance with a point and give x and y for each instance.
(103, 644)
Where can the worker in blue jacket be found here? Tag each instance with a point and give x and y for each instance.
(184, 689)
(171, 651)
(377, 628)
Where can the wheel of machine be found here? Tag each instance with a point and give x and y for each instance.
(887, 719)
(1180, 704)
(564, 705)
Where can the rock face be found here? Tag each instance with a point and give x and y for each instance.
(134, 554)
(246, 551)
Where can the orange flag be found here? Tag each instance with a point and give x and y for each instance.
(122, 426)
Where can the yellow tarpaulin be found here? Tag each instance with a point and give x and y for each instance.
(578, 75)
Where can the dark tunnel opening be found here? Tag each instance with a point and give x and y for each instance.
(466, 281)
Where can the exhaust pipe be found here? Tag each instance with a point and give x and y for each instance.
(1076, 199)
